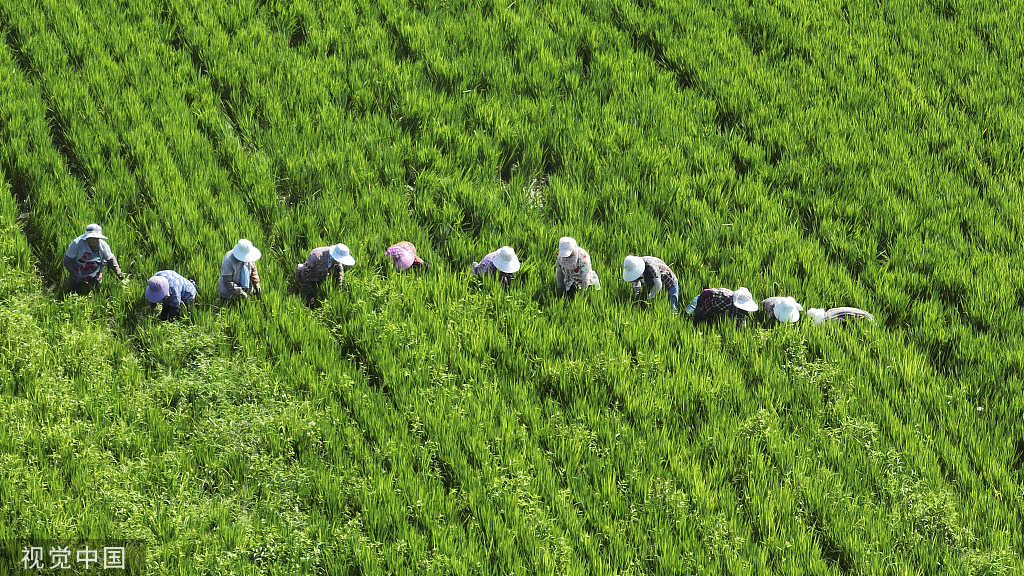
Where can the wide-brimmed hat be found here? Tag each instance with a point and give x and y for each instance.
(506, 260)
(787, 310)
(566, 246)
(403, 255)
(632, 268)
(817, 314)
(245, 251)
(158, 289)
(742, 299)
(340, 253)
(94, 231)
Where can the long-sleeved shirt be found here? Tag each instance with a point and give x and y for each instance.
(714, 301)
(575, 270)
(318, 266)
(486, 267)
(181, 289)
(844, 313)
(657, 276)
(87, 261)
(232, 272)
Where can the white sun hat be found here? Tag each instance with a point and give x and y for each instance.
(566, 246)
(245, 251)
(632, 268)
(341, 253)
(506, 260)
(94, 231)
(787, 310)
(742, 299)
(817, 314)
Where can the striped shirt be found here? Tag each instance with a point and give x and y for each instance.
(844, 313)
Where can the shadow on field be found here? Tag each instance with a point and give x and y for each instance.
(1018, 460)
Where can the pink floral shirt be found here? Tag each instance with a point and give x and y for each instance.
(576, 269)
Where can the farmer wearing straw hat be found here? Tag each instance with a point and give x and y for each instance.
(653, 273)
(238, 276)
(86, 257)
(713, 302)
(573, 270)
(171, 289)
(841, 314)
(503, 262)
(783, 309)
(320, 264)
(403, 256)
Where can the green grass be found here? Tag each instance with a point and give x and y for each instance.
(863, 154)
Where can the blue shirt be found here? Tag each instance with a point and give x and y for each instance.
(181, 289)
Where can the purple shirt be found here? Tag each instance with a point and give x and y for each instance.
(486, 266)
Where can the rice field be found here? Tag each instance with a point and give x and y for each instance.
(860, 154)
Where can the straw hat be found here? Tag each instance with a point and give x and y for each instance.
(340, 253)
(158, 289)
(632, 268)
(743, 300)
(403, 255)
(94, 231)
(245, 251)
(787, 310)
(566, 246)
(506, 260)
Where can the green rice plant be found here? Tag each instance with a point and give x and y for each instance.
(859, 155)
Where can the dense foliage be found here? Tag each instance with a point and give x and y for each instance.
(856, 153)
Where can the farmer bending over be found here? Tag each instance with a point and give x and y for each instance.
(320, 264)
(403, 256)
(653, 273)
(841, 314)
(573, 270)
(783, 309)
(713, 302)
(171, 289)
(238, 275)
(86, 257)
(503, 262)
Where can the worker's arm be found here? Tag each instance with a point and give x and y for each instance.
(656, 288)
